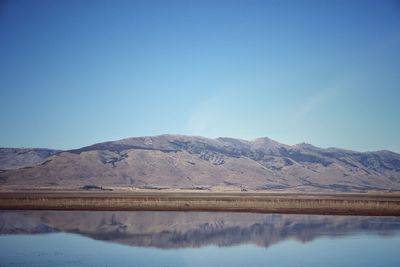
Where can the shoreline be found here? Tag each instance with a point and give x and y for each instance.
(291, 203)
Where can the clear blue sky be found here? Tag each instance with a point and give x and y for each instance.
(73, 73)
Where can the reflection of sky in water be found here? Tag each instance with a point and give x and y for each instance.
(177, 239)
(62, 249)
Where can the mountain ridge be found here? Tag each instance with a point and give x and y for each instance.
(180, 161)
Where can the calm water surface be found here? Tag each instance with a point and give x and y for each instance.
(160, 239)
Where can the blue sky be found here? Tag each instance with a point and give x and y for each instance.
(73, 73)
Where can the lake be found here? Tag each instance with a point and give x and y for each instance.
(173, 239)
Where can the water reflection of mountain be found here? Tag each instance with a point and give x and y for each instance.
(192, 229)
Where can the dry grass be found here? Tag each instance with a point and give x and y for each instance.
(351, 204)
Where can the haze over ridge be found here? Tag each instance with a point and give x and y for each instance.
(74, 73)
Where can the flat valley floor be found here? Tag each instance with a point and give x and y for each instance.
(383, 204)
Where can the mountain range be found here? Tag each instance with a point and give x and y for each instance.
(191, 162)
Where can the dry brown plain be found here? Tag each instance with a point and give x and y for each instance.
(338, 204)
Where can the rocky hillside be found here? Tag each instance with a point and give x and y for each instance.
(14, 158)
(176, 161)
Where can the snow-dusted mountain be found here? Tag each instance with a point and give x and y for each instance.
(177, 161)
(14, 158)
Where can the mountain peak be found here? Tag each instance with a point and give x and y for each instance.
(181, 161)
(304, 145)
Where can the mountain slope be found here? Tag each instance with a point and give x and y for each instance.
(188, 162)
(15, 158)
